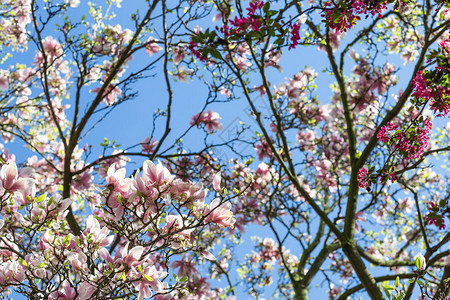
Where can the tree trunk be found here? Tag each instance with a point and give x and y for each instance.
(301, 291)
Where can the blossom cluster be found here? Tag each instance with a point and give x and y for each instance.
(154, 199)
(15, 16)
(438, 93)
(252, 21)
(343, 16)
(410, 143)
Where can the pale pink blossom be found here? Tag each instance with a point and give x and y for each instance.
(111, 94)
(11, 182)
(152, 46)
(210, 119)
(178, 55)
(216, 181)
(148, 146)
(220, 213)
(73, 3)
(66, 292)
(116, 179)
(183, 74)
(156, 175)
(133, 256)
(359, 217)
(4, 80)
(85, 290)
(96, 235)
(208, 255)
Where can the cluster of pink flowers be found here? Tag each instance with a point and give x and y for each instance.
(345, 14)
(387, 132)
(438, 94)
(341, 264)
(13, 31)
(251, 21)
(209, 119)
(436, 215)
(111, 40)
(52, 49)
(196, 50)
(410, 143)
(413, 144)
(295, 35)
(111, 94)
(141, 198)
(363, 178)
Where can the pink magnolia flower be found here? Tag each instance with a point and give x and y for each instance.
(4, 80)
(188, 191)
(58, 203)
(216, 181)
(208, 255)
(263, 149)
(133, 256)
(11, 272)
(178, 55)
(95, 235)
(183, 74)
(305, 139)
(11, 182)
(85, 290)
(180, 238)
(334, 291)
(186, 267)
(156, 175)
(110, 95)
(148, 145)
(52, 49)
(152, 47)
(77, 260)
(66, 292)
(150, 278)
(210, 119)
(116, 179)
(220, 213)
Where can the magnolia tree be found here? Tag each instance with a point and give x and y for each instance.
(341, 175)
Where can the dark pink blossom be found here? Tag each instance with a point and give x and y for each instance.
(363, 179)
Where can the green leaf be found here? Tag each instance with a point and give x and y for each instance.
(387, 294)
(418, 263)
(216, 54)
(67, 240)
(272, 13)
(41, 198)
(197, 39)
(279, 41)
(397, 282)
